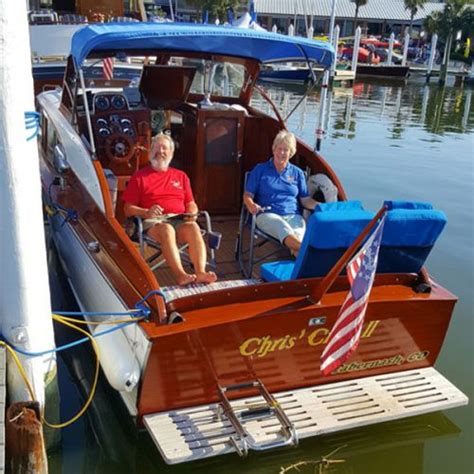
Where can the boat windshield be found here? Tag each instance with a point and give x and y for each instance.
(226, 79)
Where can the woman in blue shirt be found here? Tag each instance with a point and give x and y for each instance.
(276, 191)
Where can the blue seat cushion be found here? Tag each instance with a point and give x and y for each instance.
(277, 271)
(411, 229)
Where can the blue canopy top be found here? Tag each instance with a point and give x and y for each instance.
(260, 45)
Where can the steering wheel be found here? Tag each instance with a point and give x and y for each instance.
(119, 148)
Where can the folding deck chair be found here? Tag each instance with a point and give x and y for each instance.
(136, 232)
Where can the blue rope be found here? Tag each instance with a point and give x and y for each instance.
(146, 309)
(32, 120)
(140, 311)
(66, 346)
(134, 313)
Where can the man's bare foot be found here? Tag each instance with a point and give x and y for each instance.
(206, 277)
(186, 279)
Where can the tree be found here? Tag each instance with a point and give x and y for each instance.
(358, 4)
(413, 6)
(446, 24)
(217, 8)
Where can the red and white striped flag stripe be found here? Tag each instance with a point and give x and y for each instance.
(345, 334)
(108, 68)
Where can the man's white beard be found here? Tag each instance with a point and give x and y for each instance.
(159, 164)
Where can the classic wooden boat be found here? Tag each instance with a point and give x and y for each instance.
(234, 365)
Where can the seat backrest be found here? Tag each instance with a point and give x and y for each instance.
(411, 229)
(331, 229)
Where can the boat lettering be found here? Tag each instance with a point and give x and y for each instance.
(376, 363)
(261, 346)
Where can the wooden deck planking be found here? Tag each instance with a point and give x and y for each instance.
(227, 267)
(199, 432)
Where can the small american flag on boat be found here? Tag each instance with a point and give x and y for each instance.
(345, 334)
(108, 68)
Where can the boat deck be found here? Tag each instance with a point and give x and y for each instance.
(227, 266)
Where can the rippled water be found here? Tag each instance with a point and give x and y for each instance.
(384, 141)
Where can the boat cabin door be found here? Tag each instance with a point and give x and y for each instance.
(220, 144)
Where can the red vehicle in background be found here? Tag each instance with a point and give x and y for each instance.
(364, 55)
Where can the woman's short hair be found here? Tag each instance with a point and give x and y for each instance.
(166, 137)
(287, 138)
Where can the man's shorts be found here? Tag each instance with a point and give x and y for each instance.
(281, 227)
(175, 222)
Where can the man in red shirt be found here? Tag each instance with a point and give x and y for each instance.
(157, 190)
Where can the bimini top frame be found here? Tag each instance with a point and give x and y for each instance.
(262, 46)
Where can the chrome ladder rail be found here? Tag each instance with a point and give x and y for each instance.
(243, 441)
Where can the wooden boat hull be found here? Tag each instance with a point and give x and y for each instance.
(280, 341)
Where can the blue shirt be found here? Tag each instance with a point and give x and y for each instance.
(280, 191)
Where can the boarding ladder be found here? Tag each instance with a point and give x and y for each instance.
(241, 416)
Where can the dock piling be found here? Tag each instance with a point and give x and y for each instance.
(24, 446)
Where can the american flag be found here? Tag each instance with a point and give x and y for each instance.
(345, 334)
(108, 69)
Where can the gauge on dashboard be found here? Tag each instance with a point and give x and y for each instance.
(126, 122)
(118, 102)
(104, 132)
(128, 131)
(101, 123)
(102, 102)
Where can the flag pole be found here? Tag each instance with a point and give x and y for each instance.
(328, 280)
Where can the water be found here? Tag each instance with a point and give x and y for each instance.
(384, 141)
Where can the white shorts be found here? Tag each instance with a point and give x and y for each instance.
(281, 227)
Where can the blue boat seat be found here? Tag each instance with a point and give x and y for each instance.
(411, 229)
(330, 229)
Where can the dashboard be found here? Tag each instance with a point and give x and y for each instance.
(109, 117)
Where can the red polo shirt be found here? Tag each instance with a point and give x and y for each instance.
(169, 189)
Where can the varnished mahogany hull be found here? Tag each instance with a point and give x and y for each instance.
(280, 341)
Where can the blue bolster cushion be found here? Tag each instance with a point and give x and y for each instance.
(411, 229)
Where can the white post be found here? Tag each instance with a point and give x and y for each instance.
(25, 311)
(141, 9)
(310, 32)
(171, 10)
(332, 20)
(274, 29)
(467, 108)
(355, 51)
(322, 110)
(291, 30)
(434, 42)
(390, 48)
(405, 49)
(335, 44)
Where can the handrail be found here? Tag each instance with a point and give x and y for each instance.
(328, 280)
(272, 105)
